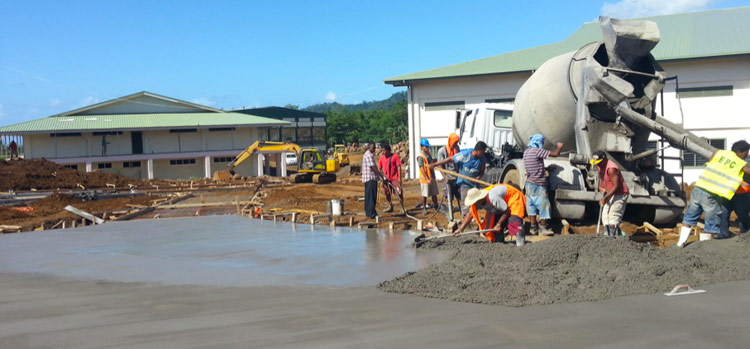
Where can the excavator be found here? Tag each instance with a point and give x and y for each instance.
(311, 168)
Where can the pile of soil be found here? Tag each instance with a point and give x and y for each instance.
(43, 174)
(570, 268)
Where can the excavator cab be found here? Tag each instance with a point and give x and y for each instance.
(312, 168)
(311, 161)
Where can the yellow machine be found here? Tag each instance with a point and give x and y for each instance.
(340, 154)
(311, 168)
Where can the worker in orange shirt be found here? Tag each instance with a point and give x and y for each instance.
(740, 204)
(503, 204)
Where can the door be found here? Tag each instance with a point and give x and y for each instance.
(136, 139)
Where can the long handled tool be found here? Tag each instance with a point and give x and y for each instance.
(421, 237)
(478, 181)
(400, 202)
(599, 221)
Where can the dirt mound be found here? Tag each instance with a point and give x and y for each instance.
(570, 269)
(43, 174)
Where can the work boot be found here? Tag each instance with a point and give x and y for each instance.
(545, 231)
(534, 229)
(706, 236)
(684, 235)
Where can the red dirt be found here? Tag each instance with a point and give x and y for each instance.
(43, 174)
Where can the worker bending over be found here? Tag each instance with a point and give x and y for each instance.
(717, 183)
(615, 193)
(503, 204)
(536, 183)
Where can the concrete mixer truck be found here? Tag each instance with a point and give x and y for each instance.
(600, 97)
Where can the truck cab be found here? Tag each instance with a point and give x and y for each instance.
(491, 123)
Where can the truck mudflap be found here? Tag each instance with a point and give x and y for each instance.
(570, 204)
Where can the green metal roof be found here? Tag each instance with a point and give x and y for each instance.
(88, 123)
(683, 36)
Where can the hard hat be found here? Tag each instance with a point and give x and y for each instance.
(424, 142)
(598, 157)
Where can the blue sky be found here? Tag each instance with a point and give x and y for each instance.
(60, 55)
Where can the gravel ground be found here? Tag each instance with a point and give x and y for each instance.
(570, 268)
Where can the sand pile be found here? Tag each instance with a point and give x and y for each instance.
(570, 269)
(43, 174)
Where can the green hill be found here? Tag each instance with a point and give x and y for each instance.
(385, 104)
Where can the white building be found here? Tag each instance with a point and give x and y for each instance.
(708, 52)
(145, 135)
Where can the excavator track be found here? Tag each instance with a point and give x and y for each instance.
(323, 178)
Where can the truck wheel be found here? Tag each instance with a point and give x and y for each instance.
(512, 177)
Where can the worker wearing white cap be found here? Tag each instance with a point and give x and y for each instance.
(503, 203)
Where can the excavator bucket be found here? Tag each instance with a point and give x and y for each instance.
(222, 175)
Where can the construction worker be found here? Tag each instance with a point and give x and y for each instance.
(450, 187)
(13, 150)
(503, 203)
(740, 204)
(470, 163)
(721, 177)
(615, 193)
(370, 177)
(427, 181)
(390, 165)
(536, 183)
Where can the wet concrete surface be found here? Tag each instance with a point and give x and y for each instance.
(215, 250)
(46, 312)
(51, 295)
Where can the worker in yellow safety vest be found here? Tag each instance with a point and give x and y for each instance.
(718, 182)
(502, 203)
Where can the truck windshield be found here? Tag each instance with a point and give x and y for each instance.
(503, 118)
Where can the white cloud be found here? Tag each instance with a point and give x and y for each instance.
(86, 102)
(54, 102)
(204, 101)
(645, 8)
(331, 96)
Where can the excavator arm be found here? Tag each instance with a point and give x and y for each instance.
(262, 146)
(249, 151)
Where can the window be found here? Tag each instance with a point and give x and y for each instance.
(223, 159)
(708, 91)
(74, 167)
(131, 164)
(104, 165)
(651, 145)
(182, 162)
(500, 100)
(436, 106)
(693, 160)
(503, 118)
(69, 134)
(184, 130)
(214, 129)
(108, 133)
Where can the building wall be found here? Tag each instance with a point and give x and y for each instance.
(163, 169)
(711, 117)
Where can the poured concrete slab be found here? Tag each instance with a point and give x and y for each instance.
(51, 295)
(215, 250)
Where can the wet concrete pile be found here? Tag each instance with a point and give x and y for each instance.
(570, 269)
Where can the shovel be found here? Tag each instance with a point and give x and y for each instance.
(421, 238)
(599, 221)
